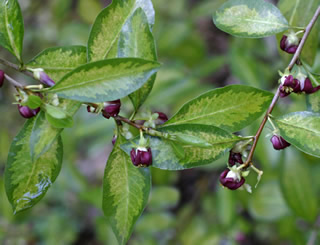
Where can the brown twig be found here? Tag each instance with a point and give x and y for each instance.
(12, 81)
(276, 96)
(15, 67)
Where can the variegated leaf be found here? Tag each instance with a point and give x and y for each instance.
(136, 40)
(301, 129)
(105, 80)
(108, 24)
(231, 108)
(250, 18)
(27, 181)
(11, 27)
(126, 190)
(58, 61)
(44, 134)
(164, 155)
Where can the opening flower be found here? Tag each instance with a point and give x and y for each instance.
(231, 178)
(141, 157)
(234, 158)
(289, 43)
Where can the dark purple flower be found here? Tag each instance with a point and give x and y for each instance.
(289, 85)
(278, 142)
(1, 78)
(230, 180)
(26, 112)
(45, 79)
(141, 157)
(161, 119)
(290, 43)
(111, 109)
(234, 158)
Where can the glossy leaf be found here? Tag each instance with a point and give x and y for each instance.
(58, 61)
(250, 18)
(125, 192)
(298, 188)
(11, 27)
(26, 180)
(105, 80)
(301, 129)
(44, 134)
(136, 40)
(267, 202)
(299, 13)
(108, 24)
(231, 108)
(165, 157)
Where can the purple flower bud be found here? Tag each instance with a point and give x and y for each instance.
(278, 142)
(289, 43)
(114, 138)
(230, 180)
(308, 88)
(45, 79)
(141, 157)
(234, 158)
(161, 119)
(1, 78)
(26, 112)
(111, 109)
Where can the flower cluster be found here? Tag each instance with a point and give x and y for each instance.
(289, 85)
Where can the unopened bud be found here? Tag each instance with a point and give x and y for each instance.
(26, 112)
(278, 142)
(111, 108)
(43, 77)
(1, 78)
(289, 43)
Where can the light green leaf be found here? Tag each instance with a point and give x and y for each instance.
(11, 27)
(58, 61)
(301, 129)
(125, 192)
(105, 80)
(250, 18)
(108, 24)
(231, 108)
(298, 187)
(27, 181)
(34, 101)
(313, 102)
(299, 13)
(267, 202)
(44, 134)
(64, 122)
(136, 40)
(165, 157)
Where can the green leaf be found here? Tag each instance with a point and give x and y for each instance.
(165, 157)
(226, 206)
(58, 61)
(177, 149)
(105, 80)
(299, 13)
(11, 27)
(267, 202)
(136, 40)
(313, 102)
(65, 122)
(298, 187)
(301, 129)
(27, 181)
(250, 18)
(109, 23)
(44, 134)
(231, 108)
(125, 192)
(34, 101)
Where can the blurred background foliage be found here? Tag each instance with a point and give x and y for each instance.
(187, 207)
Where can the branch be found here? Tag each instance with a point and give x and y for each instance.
(15, 67)
(14, 82)
(276, 96)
